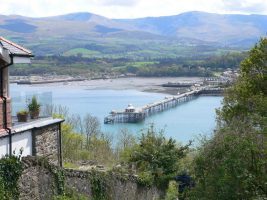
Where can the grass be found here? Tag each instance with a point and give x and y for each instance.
(70, 165)
(84, 52)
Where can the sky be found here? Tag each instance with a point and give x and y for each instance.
(130, 8)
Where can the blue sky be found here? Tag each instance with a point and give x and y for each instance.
(129, 8)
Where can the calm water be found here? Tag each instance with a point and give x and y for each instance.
(182, 123)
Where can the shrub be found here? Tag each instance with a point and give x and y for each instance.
(34, 105)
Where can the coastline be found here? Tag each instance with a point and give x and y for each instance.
(152, 85)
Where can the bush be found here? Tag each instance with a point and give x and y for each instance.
(10, 172)
(172, 191)
(156, 158)
(233, 163)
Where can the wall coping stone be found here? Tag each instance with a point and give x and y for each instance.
(39, 123)
(36, 124)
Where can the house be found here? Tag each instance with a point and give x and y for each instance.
(39, 137)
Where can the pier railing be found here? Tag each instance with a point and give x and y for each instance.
(135, 115)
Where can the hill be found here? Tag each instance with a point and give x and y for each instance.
(224, 29)
(180, 35)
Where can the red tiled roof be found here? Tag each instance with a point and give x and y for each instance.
(15, 49)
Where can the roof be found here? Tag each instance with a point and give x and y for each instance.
(15, 49)
(130, 106)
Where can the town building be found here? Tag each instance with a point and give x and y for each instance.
(36, 137)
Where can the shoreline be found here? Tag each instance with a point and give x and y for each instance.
(151, 84)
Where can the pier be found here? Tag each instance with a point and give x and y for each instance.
(137, 114)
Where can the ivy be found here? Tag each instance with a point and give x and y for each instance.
(71, 194)
(99, 185)
(10, 172)
(60, 181)
(57, 172)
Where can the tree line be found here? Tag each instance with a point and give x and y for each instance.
(147, 67)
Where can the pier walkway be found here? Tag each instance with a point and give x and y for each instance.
(135, 115)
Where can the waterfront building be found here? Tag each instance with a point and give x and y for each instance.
(36, 137)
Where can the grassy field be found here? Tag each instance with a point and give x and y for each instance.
(82, 52)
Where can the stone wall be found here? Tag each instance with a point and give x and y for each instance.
(46, 142)
(38, 181)
(118, 188)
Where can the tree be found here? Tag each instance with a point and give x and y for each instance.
(71, 142)
(156, 157)
(233, 163)
(247, 100)
(125, 139)
(91, 128)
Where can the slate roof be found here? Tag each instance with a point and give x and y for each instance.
(15, 49)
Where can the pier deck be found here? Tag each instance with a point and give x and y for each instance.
(135, 115)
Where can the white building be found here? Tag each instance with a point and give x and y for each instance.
(39, 137)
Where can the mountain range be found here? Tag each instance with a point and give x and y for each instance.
(48, 35)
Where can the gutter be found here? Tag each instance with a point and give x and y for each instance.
(5, 105)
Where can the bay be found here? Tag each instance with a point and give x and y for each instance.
(183, 123)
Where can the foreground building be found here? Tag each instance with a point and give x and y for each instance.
(39, 137)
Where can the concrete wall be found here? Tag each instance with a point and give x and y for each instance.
(38, 182)
(21, 140)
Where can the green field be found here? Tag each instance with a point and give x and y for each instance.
(81, 52)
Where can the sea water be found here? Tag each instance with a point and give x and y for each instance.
(183, 123)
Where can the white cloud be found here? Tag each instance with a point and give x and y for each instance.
(129, 8)
(246, 6)
(121, 3)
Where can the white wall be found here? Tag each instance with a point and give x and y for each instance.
(19, 140)
(3, 146)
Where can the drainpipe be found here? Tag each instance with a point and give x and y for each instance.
(60, 145)
(5, 105)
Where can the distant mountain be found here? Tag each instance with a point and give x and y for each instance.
(191, 28)
(225, 29)
(76, 17)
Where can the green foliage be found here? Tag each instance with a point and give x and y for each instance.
(145, 178)
(172, 191)
(88, 64)
(23, 112)
(70, 165)
(82, 140)
(81, 52)
(10, 172)
(71, 194)
(233, 163)
(34, 105)
(2, 189)
(99, 185)
(126, 141)
(156, 158)
(59, 179)
(231, 166)
(71, 142)
(247, 99)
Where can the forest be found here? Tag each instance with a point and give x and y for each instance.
(146, 67)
